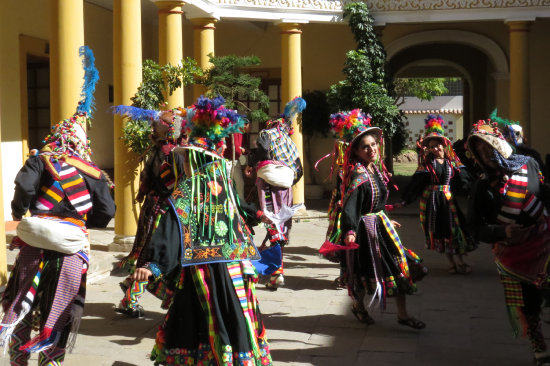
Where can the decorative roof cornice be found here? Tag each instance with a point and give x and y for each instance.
(384, 11)
(415, 5)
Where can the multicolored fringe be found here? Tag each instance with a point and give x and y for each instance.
(457, 242)
(235, 272)
(133, 294)
(63, 307)
(385, 285)
(513, 297)
(30, 260)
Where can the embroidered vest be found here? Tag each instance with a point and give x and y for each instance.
(211, 228)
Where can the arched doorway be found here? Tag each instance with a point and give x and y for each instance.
(475, 58)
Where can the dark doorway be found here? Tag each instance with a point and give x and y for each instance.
(38, 99)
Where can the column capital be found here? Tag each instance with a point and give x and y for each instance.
(169, 6)
(290, 28)
(518, 25)
(204, 23)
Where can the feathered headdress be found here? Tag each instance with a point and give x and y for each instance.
(208, 122)
(171, 120)
(292, 108)
(511, 130)
(433, 128)
(69, 136)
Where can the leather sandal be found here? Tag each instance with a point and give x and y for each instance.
(412, 322)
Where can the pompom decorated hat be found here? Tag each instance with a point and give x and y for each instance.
(69, 136)
(208, 122)
(512, 131)
(489, 132)
(348, 126)
(433, 128)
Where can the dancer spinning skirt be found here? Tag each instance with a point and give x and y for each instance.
(381, 266)
(278, 165)
(507, 210)
(202, 250)
(156, 184)
(66, 193)
(439, 176)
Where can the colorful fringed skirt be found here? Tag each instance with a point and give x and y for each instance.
(214, 319)
(381, 265)
(46, 288)
(442, 222)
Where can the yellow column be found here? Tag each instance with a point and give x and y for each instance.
(66, 37)
(171, 42)
(203, 39)
(127, 77)
(291, 86)
(519, 74)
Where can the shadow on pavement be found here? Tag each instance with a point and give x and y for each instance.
(100, 320)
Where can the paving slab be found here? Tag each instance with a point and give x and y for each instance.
(309, 321)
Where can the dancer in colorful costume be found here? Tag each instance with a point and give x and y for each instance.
(513, 133)
(381, 265)
(202, 249)
(278, 167)
(156, 184)
(506, 210)
(66, 194)
(439, 177)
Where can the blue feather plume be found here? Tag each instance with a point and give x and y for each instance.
(295, 106)
(135, 113)
(91, 76)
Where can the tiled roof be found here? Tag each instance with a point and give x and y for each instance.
(434, 111)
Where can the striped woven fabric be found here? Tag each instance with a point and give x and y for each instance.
(49, 196)
(515, 191)
(74, 187)
(513, 296)
(166, 176)
(200, 275)
(235, 272)
(70, 184)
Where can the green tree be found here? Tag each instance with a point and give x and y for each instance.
(156, 80)
(422, 88)
(230, 79)
(367, 85)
